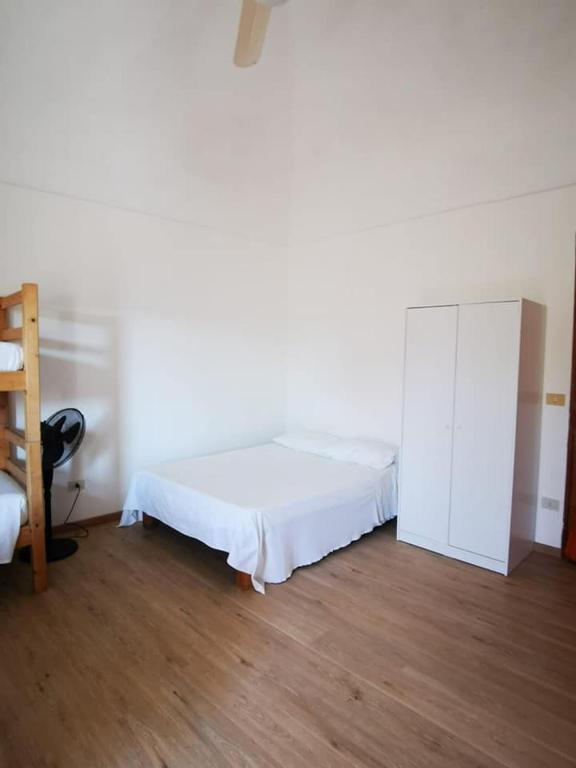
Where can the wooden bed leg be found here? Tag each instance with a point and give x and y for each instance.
(243, 580)
(149, 522)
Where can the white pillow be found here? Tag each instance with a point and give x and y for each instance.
(309, 442)
(370, 453)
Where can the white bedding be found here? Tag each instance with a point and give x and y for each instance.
(11, 357)
(13, 515)
(270, 507)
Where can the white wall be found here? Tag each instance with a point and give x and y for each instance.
(163, 334)
(142, 176)
(404, 111)
(189, 222)
(348, 296)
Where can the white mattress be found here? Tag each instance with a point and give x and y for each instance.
(270, 507)
(13, 515)
(11, 357)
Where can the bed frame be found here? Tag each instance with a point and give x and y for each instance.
(27, 381)
(242, 580)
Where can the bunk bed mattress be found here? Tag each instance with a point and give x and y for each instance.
(11, 357)
(271, 508)
(13, 515)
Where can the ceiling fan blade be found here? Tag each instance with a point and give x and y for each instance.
(251, 32)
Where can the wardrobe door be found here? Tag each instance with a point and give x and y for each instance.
(485, 424)
(427, 421)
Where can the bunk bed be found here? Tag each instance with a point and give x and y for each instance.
(21, 482)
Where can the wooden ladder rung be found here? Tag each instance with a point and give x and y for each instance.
(13, 381)
(17, 472)
(11, 334)
(25, 537)
(15, 437)
(11, 301)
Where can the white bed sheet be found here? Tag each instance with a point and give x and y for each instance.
(271, 508)
(11, 357)
(13, 515)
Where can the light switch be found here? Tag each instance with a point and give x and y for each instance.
(553, 398)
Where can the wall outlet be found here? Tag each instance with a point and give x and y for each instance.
(552, 504)
(76, 485)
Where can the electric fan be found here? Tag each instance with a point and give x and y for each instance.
(61, 436)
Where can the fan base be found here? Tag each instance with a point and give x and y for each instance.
(57, 549)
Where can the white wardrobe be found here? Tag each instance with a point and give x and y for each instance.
(471, 430)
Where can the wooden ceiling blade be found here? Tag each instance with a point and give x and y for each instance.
(251, 33)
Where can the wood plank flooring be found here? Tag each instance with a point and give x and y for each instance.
(143, 654)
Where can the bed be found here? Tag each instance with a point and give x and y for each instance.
(272, 507)
(21, 498)
(13, 515)
(11, 357)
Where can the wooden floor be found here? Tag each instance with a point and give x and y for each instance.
(142, 653)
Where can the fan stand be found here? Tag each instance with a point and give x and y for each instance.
(56, 549)
(59, 549)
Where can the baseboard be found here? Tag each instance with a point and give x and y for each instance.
(546, 549)
(112, 517)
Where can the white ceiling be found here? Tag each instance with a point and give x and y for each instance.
(136, 103)
(361, 112)
(406, 107)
